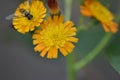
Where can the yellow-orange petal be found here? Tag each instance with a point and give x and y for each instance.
(72, 30)
(36, 41)
(114, 27)
(85, 11)
(63, 51)
(35, 36)
(53, 52)
(69, 44)
(39, 47)
(50, 53)
(106, 28)
(61, 19)
(55, 18)
(43, 53)
(69, 24)
(73, 39)
(49, 19)
(37, 31)
(68, 49)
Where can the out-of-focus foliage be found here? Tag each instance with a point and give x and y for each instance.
(88, 40)
(113, 53)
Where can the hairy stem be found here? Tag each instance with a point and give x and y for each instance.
(96, 51)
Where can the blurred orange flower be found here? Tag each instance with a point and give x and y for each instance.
(96, 9)
(55, 35)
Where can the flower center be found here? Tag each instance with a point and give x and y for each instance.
(53, 35)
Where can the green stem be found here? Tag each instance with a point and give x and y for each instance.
(79, 65)
(70, 57)
(68, 4)
(70, 67)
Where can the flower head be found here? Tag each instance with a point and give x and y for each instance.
(102, 14)
(55, 35)
(28, 15)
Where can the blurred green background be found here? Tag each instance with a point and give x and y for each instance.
(18, 61)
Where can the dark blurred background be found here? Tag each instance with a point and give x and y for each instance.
(18, 61)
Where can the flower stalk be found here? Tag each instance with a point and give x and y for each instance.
(70, 58)
(92, 55)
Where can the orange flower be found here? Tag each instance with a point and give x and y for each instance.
(55, 35)
(54, 8)
(102, 14)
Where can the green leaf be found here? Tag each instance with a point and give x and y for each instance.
(113, 53)
(88, 40)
